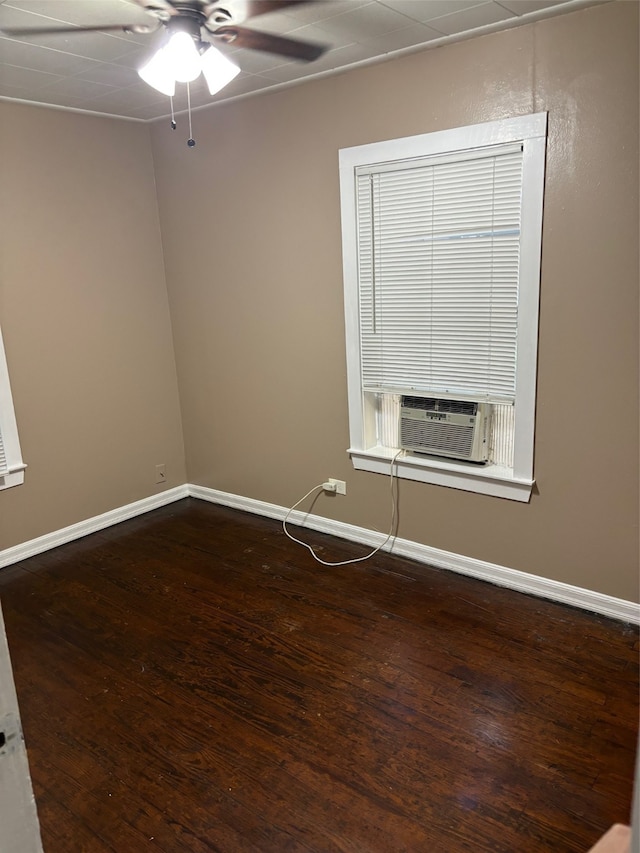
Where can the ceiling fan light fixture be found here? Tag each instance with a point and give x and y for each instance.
(158, 74)
(182, 57)
(218, 69)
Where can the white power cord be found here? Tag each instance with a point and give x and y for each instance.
(357, 559)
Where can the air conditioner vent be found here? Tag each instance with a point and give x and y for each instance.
(441, 404)
(456, 429)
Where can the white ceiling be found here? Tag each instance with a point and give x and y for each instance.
(96, 71)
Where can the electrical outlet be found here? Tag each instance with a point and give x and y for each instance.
(161, 474)
(341, 486)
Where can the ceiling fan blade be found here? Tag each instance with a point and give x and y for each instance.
(269, 43)
(161, 8)
(140, 29)
(238, 11)
(261, 7)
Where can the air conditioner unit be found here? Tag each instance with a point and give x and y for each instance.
(457, 429)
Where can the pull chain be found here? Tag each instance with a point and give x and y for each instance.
(173, 118)
(191, 141)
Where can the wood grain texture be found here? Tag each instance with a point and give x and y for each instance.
(193, 681)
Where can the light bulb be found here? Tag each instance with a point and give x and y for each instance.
(217, 69)
(157, 73)
(183, 57)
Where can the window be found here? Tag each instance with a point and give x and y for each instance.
(441, 251)
(11, 464)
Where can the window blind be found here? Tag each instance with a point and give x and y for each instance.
(4, 467)
(438, 262)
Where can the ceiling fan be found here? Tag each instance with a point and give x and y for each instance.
(204, 21)
(187, 31)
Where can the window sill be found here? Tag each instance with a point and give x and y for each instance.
(485, 480)
(13, 477)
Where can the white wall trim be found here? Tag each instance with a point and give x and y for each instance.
(586, 599)
(90, 525)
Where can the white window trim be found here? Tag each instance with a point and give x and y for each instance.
(9, 429)
(531, 130)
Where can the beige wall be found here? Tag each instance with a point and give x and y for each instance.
(251, 232)
(85, 319)
(252, 258)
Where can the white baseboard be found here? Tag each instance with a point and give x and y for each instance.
(90, 525)
(586, 599)
(616, 608)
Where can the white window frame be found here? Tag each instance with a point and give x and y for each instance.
(366, 455)
(14, 475)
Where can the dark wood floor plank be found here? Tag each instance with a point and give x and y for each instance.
(191, 681)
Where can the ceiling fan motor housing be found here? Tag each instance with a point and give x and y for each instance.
(185, 24)
(190, 19)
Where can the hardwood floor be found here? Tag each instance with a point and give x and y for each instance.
(192, 681)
